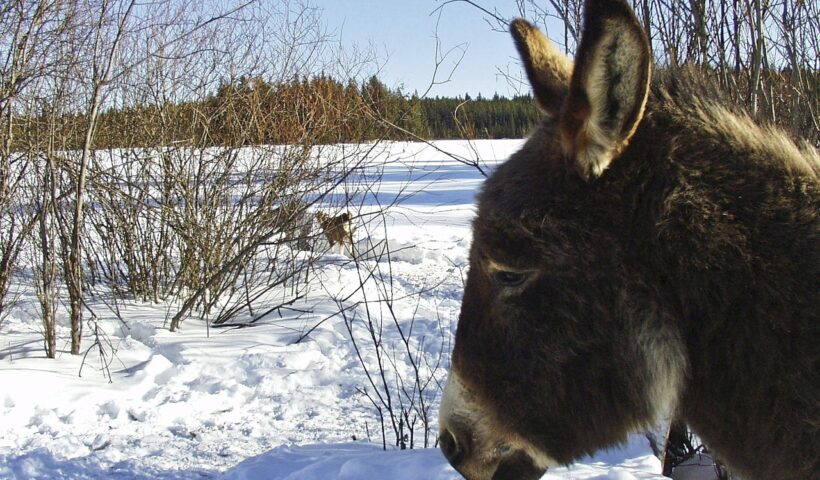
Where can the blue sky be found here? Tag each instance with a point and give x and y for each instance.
(403, 33)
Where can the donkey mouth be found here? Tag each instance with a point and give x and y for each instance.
(518, 466)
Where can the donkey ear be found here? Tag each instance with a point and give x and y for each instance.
(608, 89)
(548, 69)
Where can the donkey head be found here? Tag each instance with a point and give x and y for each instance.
(548, 364)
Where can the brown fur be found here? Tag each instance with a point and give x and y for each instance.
(674, 268)
(337, 230)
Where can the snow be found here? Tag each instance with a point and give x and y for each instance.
(253, 403)
(367, 461)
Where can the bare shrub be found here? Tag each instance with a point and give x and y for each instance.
(138, 129)
(403, 368)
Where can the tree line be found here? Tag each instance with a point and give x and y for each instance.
(255, 111)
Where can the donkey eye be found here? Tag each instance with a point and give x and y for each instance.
(507, 278)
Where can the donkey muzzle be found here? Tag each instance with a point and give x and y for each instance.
(474, 445)
(502, 463)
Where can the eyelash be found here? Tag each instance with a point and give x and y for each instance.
(509, 278)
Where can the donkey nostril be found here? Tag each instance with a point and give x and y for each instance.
(450, 448)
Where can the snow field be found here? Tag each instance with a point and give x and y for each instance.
(251, 403)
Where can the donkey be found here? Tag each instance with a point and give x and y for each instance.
(648, 252)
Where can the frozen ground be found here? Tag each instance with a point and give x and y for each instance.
(252, 403)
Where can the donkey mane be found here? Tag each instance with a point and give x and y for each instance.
(694, 101)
